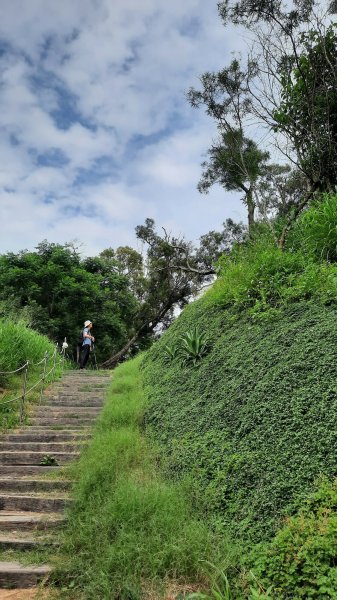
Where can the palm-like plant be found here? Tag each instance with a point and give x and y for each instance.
(193, 346)
(171, 352)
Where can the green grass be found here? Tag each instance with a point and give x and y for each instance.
(130, 531)
(19, 344)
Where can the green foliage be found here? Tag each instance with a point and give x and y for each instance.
(19, 344)
(307, 112)
(48, 460)
(220, 587)
(315, 232)
(193, 346)
(256, 423)
(144, 527)
(301, 561)
(58, 291)
(171, 352)
(258, 277)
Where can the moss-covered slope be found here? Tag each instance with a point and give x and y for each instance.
(256, 422)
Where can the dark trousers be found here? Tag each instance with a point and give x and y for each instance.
(84, 355)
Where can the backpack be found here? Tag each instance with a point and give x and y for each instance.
(80, 338)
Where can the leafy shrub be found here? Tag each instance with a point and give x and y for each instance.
(258, 277)
(171, 352)
(301, 561)
(193, 346)
(315, 232)
(190, 348)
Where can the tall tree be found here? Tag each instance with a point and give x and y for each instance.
(292, 84)
(235, 161)
(61, 291)
(172, 272)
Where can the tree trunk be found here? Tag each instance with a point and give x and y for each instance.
(251, 210)
(113, 360)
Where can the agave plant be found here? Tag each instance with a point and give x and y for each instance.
(171, 352)
(193, 346)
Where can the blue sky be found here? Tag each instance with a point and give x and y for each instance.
(96, 133)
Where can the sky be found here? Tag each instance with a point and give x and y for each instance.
(96, 131)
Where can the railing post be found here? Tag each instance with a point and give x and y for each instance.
(23, 397)
(44, 374)
(54, 365)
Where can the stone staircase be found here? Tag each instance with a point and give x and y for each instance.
(32, 500)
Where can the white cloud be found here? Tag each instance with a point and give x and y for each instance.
(113, 71)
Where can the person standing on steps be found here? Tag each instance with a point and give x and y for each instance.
(88, 339)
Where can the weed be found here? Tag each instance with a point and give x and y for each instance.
(48, 460)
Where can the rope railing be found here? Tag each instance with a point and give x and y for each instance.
(45, 375)
(16, 370)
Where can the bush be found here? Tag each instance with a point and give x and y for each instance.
(258, 277)
(301, 562)
(315, 233)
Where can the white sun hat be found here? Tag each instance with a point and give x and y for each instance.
(86, 323)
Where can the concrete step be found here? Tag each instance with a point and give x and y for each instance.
(46, 436)
(12, 574)
(46, 447)
(19, 542)
(74, 402)
(73, 392)
(49, 409)
(32, 503)
(15, 521)
(73, 428)
(83, 381)
(35, 458)
(24, 486)
(26, 470)
(69, 420)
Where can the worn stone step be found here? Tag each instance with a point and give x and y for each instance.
(26, 470)
(15, 521)
(79, 380)
(77, 392)
(46, 447)
(75, 402)
(12, 574)
(19, 542)
(69, 420)
(25, 486)
(32, 503)
(72, 428)
(47, 436)
(49, 409)
(34, 458)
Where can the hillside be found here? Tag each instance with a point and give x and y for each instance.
(255, 422)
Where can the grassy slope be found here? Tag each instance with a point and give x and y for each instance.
(19, 344)
(129, 532)
(256, 422)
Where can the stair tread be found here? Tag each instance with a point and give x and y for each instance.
(14, 567)
(24, 516)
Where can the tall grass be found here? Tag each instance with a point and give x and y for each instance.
(19, 344)
(130, 531)
(315, 232)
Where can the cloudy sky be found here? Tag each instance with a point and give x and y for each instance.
(96, 133)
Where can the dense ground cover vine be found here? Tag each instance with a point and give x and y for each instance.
(255, 424)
